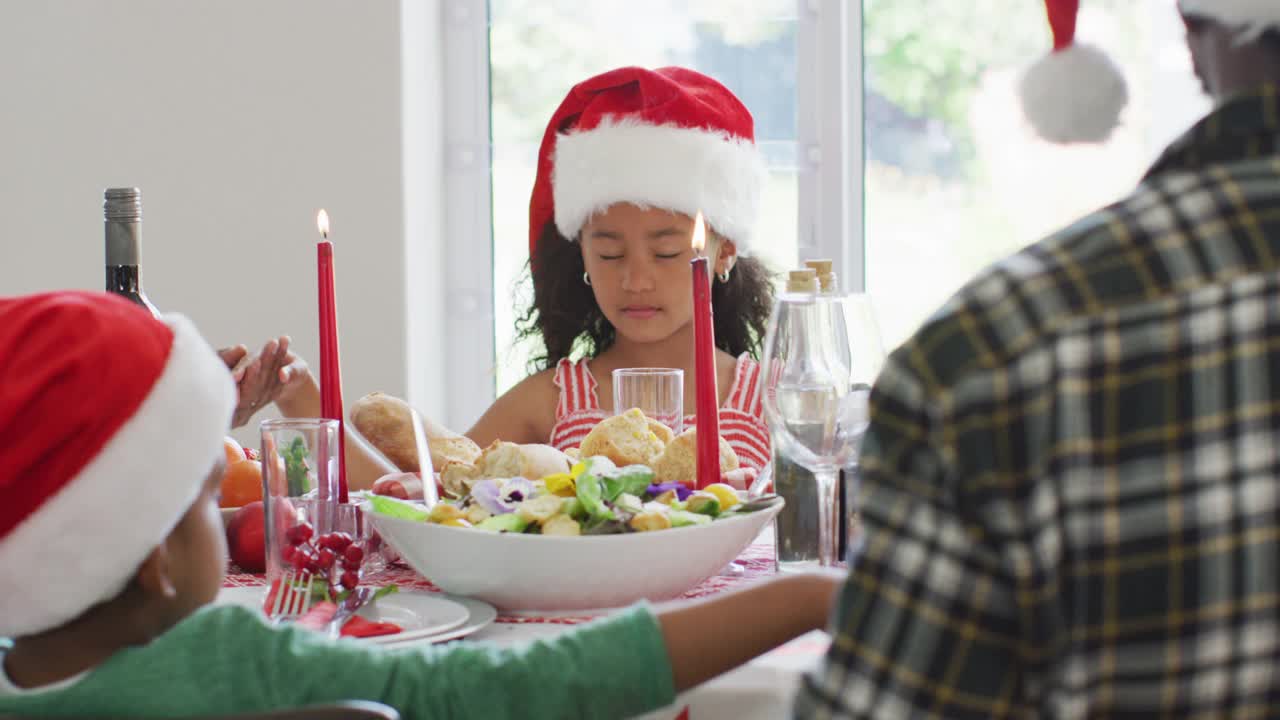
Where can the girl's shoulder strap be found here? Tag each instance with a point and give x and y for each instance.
(744, 394)
(577, 387)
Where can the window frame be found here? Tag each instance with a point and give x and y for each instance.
(468, 213)
(830, 133)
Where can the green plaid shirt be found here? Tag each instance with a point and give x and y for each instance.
(1071, 483)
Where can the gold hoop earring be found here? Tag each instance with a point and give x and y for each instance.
(586, 279)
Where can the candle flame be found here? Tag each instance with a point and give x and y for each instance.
(322, 223)
(699, 234)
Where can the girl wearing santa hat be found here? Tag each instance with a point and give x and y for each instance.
(627, 160)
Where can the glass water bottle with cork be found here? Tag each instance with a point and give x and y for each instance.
(797, 522)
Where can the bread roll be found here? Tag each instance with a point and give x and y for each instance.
(503, 460)
(506, 459)
(385, 421)
(457, 478)
(662, 431)
(445, 450)
(626, 439)
(679, 462)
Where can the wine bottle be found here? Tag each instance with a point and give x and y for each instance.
(122, 213)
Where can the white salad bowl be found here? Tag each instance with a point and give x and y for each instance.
(516, 571)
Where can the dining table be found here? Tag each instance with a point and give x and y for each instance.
(763, 688)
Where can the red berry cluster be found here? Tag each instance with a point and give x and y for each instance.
(324, 555)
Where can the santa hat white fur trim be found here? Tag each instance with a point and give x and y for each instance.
(663, 166)
(83, 545)
(1252, 16)
(1074, 95)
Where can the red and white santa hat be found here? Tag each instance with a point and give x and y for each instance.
(1076, 93)
(110, 421)
(669, 138)
(1252, 17)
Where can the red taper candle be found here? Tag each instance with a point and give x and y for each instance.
(330, 370)
(704, 339)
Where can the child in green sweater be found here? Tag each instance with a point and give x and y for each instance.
(111, 551)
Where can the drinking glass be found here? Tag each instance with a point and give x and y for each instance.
(300, 483)
(300, 478)
(658, 392)
(821, 355)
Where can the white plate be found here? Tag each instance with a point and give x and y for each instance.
(481, 614)
(419, 614)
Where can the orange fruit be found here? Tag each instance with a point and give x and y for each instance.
(234, 452)
(242, 484)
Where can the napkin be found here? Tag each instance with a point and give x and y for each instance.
(361, 628)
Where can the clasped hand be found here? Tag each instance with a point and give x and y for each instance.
(273, 374)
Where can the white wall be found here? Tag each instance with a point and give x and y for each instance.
(238, 119)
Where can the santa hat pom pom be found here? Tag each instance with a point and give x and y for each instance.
(1074, 95)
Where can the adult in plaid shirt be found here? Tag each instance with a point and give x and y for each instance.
(1071, 490)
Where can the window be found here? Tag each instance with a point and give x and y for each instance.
(902, 113)
(955, 179)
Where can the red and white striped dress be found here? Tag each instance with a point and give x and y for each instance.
(741, 417)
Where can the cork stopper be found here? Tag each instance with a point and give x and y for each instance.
(802, 281)
(826, 278)
(819, 266)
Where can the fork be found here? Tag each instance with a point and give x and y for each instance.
(293, 599)
(349, 607)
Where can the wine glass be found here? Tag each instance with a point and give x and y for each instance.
(866, 360)
(821, 355)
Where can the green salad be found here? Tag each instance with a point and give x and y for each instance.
(595, 497)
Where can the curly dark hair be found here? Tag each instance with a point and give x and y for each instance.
(565, 315)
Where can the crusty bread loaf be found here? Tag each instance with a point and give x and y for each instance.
(505, 459)
(626, 439)
(679, 462)
(385, 421)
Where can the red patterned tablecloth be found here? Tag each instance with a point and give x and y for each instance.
(757, 562)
